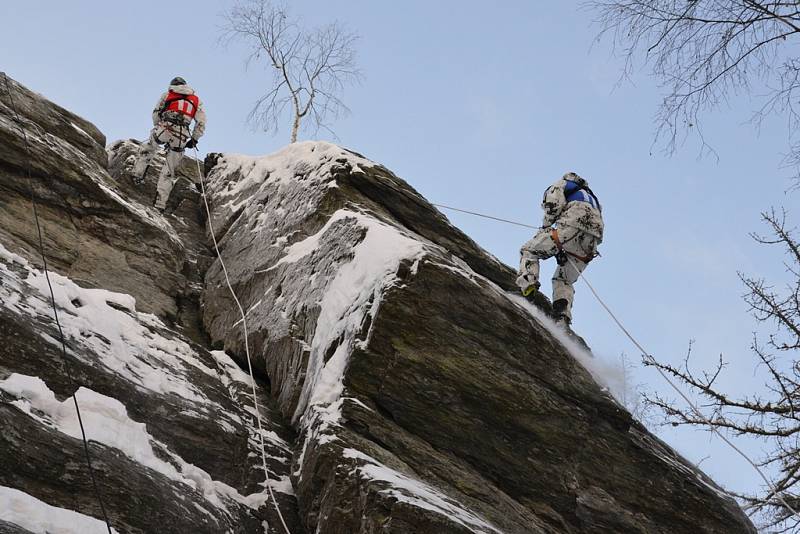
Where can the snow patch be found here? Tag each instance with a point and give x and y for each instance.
(38, 517)
(312, 160)
(106, 421)
(609, 375)
(10, 257)
(357, 287)
(239, 384)
(308, 245)
(81, 131)
(107, 324)
(417, 493)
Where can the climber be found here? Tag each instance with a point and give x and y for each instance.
(172, 117)
(573, 208)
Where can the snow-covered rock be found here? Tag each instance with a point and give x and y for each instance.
(428, 396)
(170, 424)
(405, 388)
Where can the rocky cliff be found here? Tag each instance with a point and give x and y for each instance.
(405, 387)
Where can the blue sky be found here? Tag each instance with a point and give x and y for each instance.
(480, 107)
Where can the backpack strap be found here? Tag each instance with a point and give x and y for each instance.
(582, 187)
(168, 101)
(586, 188)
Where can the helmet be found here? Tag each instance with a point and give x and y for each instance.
(177, 80)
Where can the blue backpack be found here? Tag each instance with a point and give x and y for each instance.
(575, 192)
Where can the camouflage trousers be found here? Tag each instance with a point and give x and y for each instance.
(541, 247)
(174, 137)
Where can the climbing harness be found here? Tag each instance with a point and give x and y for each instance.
(563, 254)
(246, 343)
(648, 357)
(64, 360)
(169, 125)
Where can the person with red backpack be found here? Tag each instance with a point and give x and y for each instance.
(172, 117)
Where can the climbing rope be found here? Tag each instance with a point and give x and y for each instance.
(487, 216)
(246, 343)
(648, 357)
(64, 360)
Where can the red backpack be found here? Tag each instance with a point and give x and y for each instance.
(180, 103)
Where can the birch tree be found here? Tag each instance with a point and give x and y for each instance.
(310, 67)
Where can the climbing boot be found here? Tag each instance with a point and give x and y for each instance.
(526, 286)
(560, 313)
(530, 289)
(138, 179)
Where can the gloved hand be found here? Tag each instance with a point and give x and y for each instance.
(192, 143)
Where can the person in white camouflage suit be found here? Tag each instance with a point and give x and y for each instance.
(571, 231)
(172, 116)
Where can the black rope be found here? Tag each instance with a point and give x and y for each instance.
(53, 304)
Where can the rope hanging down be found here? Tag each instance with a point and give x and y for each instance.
(64, 360)
(246, 343)
(647, 356)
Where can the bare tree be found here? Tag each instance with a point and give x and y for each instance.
(310, 67)
(774, 415)
(704, 51)
(632, 394)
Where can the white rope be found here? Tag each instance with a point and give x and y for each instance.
(653, 361)
(246, 345)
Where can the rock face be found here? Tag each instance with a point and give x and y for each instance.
(170, 423)
(428, 397)
(405, 388)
